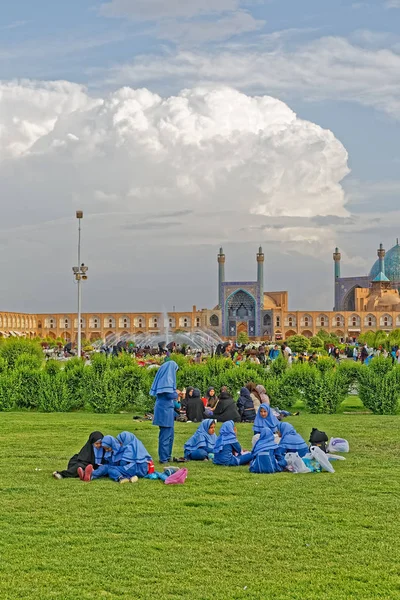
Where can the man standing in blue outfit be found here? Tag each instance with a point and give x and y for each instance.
(164, 389)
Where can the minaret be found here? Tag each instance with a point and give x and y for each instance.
(260, 282)
(221, 277)
(260, 272)
(381, 256)
(336, 257)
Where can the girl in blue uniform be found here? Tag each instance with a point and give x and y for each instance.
(227, 450)
(265, 455)
(112, 455)
(291, 441)
(134, 462)
(265, 418)
(164, 389)
(202, 442)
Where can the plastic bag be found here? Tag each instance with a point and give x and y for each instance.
(338, 445)
(295, 463)
(321, 457)
(178, 477)
(335, 457)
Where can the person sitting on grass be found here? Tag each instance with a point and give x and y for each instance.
(265, 418)
(226, 409)
(113, 451)
(195, 406)
(245, 406)
(265, 454)
(227, 450)
(202, 442)
(91, 454)
(291, 441)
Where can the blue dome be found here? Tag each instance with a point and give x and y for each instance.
(392, 265)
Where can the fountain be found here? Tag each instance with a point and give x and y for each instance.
(200, 339)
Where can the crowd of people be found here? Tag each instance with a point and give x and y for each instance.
(125, 459)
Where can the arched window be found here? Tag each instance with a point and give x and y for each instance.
(214, 320)
(338, 321)
(290, 321)
(124, 322)
(66, 323)
(267, 320)
(278, 321)
(386, 321)
(197, 321)
(109, 322)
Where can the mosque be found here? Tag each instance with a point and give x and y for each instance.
(363, 303)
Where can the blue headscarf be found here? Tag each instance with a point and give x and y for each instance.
(98, 454)
(116, 448)
(135, 451)
(290, 438)
(270, 420)
(201, 438)
(125, 437)
(226, 436)
(165, 379)
(265, 442)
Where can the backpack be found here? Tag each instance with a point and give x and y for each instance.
(319, 438)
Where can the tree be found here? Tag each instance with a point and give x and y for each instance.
(242, 338)
(316, 343)
(298, 343)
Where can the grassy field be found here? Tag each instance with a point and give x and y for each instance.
(226, 534)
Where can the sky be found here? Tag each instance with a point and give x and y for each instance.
(182, 126)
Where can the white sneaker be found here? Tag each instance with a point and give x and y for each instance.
(125, 480)
(134, 479)
(57, 475)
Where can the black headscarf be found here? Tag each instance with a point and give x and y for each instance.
(86, 454)
(195, 407)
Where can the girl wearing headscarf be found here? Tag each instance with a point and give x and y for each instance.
(125, 438)
(226, 409)
(112, 456)
(265, 418)
(164, 389)
(246, 406)
(134, 462)
(195, 407)
(291, 441)
(227, 450)
(265, 455)
(202, 442)
(210, 401)
(90, 454)
(260, 389)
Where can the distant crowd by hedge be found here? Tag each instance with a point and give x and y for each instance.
(111, 385)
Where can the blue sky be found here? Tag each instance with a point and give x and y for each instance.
(335, 64)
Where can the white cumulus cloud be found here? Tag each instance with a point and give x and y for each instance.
(204, 149)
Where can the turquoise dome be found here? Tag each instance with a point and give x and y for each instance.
(392, 265)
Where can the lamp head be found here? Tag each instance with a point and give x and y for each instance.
(79, 214)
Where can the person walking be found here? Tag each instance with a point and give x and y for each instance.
(164, 389)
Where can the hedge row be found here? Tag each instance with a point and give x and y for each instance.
(110, 385)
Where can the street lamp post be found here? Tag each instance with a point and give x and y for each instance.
(80, 274)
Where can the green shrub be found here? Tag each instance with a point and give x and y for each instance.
(298, 343)
(379, 390)
(12, 348)
(6, 400)
(54, 395)
(25, 385)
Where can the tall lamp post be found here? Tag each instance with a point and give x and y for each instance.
(80, 274)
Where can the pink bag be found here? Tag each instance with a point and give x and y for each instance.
(178, 477)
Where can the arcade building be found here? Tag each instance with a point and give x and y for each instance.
(365, 303)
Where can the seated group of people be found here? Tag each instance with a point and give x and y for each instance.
(191, 406)
(123, 459)
(271, 441)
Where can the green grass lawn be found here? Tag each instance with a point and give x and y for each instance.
(226, 534)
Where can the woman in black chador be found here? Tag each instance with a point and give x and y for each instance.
(91, 454)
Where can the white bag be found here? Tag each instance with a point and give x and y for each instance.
(338, 445)
(295, 462)
(321, 457)
(335, 457)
